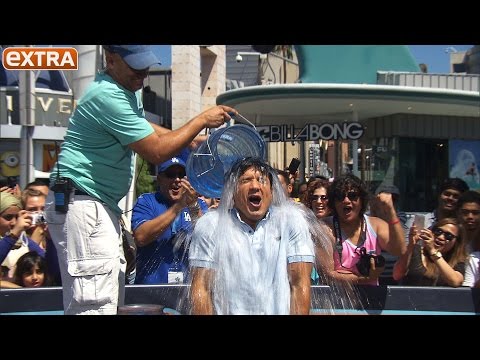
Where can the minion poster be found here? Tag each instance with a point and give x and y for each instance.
(45, 158)
(463, 160)
(10, 165)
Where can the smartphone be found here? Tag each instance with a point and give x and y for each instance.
(419, 221)
(293, 167)
(12, 182)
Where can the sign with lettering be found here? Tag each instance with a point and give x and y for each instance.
(52, 109)
(40, 58)
(312, 132)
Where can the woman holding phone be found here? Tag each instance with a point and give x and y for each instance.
(434, 257)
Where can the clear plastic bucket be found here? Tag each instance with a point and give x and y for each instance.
(207, 165)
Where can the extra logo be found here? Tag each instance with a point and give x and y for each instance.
(40, 58)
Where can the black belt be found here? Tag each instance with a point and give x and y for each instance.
(80, 192)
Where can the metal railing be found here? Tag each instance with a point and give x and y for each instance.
(466, 82)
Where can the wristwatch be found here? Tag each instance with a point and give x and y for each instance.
(436, 256)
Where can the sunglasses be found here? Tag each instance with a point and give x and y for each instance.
(351, 195)
(9, 217)
(174, 174)
(321, 197)
(448, 236)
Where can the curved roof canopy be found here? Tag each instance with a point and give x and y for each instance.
(305, 103)
(337, 80)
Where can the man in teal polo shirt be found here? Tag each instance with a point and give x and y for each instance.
(94, 172)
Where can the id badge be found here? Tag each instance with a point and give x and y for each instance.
(175, 277)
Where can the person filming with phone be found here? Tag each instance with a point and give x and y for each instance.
(435, 256)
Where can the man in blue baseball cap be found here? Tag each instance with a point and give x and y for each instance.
(94, 172)
(161, 222)
(175, 161)
(138, 57)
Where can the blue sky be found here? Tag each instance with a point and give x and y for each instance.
(164, 54)
(437, 60)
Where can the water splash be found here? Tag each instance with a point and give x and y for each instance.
(342, 295)
(250, 272)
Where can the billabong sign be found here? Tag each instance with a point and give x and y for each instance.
(312, 132)
(40, 58)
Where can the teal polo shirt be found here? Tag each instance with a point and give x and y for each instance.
(95, 152)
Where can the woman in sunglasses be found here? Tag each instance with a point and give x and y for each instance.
(316, 198)
(357, 239)
(434, 257)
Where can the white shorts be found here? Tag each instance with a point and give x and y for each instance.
(90, 255)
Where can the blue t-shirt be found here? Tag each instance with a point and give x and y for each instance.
(155, 259)
(95, 153)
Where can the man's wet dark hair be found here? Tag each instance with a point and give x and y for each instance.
(239, 168)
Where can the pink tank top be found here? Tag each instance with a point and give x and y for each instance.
(351, 254)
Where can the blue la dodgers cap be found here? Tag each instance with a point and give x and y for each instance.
(170, 162)
(138, 57)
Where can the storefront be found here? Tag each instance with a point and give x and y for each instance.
(394, 134)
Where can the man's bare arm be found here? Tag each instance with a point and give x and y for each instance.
(201, 291)
(163, 143)
(299, 277)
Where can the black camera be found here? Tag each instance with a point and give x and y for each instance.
(12, 182)
(9, 181)
(363, 265)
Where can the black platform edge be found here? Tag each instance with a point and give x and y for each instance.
(402, 298)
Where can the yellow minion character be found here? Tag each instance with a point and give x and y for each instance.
(10, 163)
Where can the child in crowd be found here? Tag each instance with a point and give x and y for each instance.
(31, 271)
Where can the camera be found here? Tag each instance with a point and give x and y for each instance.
(363, 265)
(12, 182)
(38, 218)
(9, 181)
(239, 58)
